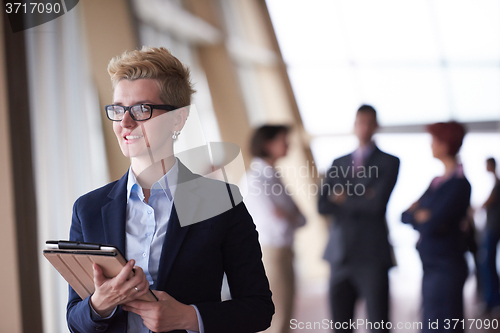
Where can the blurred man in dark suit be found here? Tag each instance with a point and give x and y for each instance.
(355, 195)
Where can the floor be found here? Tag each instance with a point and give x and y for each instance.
(312, 311)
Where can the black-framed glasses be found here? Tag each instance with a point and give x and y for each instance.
(138, 112)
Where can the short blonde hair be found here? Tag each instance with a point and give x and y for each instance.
(158, 64)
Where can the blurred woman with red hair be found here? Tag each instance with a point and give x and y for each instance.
(438, 216)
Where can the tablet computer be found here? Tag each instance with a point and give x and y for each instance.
(73, 260)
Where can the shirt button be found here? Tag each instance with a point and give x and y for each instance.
(144, 254)
(150, 211)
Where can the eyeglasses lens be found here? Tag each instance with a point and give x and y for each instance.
(141, 112)
(138, 112)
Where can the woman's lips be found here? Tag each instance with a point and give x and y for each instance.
(132, 138)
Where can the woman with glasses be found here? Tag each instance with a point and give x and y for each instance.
(167, 221)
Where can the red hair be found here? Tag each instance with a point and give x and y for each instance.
(450, 133)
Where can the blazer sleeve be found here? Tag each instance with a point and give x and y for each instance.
(448, 208)
(78, 314)
(251, 307)
(374, 200)
(408, 217)
(325, 205)
(377, 193)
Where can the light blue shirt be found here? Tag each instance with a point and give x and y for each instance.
(146, 224)
(145, 228)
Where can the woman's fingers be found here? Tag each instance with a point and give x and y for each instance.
(99, 278)
(140, 282)
(126, 272)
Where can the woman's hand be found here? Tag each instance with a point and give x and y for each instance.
(280, 213)
(124, 287)
(338, 199)
(422, 215)
(165, 315)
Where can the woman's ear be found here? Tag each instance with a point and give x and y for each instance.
(180, 118)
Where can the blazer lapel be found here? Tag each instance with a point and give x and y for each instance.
(175, 232)
(173, 241)
(114, 220)
(346, 167)
(370, 161)
(114, 215)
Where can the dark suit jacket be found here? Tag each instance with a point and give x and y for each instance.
(358, 234)
(493, 211)
(194, 257)
(441, 236)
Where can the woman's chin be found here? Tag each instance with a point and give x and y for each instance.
(130, 154)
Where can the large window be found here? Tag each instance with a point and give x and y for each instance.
(68, 144)
(180, 34)
(416, 61)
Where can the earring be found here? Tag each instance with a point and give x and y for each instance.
(176, 135)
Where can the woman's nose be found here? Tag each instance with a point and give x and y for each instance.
(127, 120)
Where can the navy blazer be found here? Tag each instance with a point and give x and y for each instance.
(193, 260)
(359, 234)
(441, 236)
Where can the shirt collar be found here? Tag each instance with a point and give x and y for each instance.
(458, 172)
(167, 183)
(366, 151)
(260, 162)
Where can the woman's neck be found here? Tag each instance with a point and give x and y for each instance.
(270, 160)
(450, 164)
(148, 173)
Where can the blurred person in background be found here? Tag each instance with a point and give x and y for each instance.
(276, 216)
(439, 216)
(491, 237)
(354, 194)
